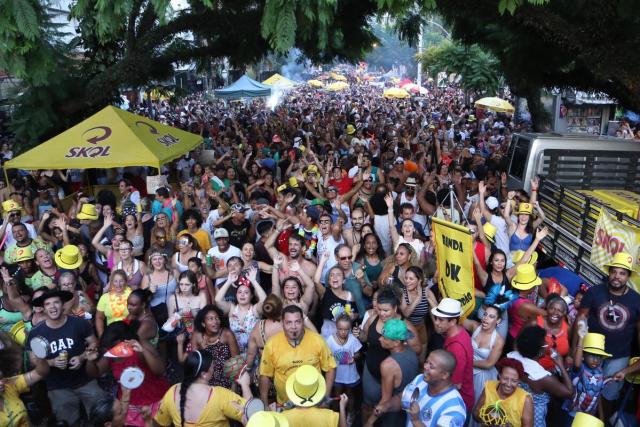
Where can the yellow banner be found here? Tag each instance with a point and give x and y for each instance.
(454, 255)
(610, 237)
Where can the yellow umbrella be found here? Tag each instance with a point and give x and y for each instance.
(495, 104)
(337, 86)
(279, 80)
(315, 83)
(338, 77)
(396, 92)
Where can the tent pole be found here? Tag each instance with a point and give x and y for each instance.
(6, 179)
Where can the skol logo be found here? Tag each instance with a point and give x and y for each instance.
(92, 136)
(610, 244)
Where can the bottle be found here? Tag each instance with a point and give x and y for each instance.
(64, 356)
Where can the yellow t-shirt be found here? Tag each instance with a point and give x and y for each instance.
(222, 405)
(14, 414)
(512, 406)
(280, 359)
(114, 307)
(312, 417)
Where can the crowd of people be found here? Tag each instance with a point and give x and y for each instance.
(290, 268)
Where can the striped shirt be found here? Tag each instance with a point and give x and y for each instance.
(446, 409)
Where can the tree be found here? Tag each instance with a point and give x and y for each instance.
(590, 45)
(479, 69)
(127, 43)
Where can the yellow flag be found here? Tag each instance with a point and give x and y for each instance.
(454, 255)
(612, 236)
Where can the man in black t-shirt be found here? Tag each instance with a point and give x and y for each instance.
(240, 229)
(614, 311)
(67, 338)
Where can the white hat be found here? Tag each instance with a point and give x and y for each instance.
(220, 232)
(492, 203)
(448, 307)
(399, 160)
(472, 150)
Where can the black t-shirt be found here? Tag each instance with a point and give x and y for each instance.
(613, 316)
(70, 337)
(238, 234)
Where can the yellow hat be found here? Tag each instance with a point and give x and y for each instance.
(585, 420)
(68, 257)
(11, 205)
(87, 211)
(525, 278)
(293, 182)
(633, 378)
(24, 254)
(621, 260)
(490, 231)
(267, 419)
(351, 129)
(525, 209)
(306, 386)
(18, 332)
(594, 343)
(311, 169)
(517, 256)
(302, 148)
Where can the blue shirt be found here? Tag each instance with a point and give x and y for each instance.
(446, 409)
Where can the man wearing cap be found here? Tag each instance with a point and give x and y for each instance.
(220, 254)
(457, 341)
(239, 228)
(400, 367)
(288, 350)
(431, 399)
(614, 311)
(22, 240)
(65, 340)
(13, 216)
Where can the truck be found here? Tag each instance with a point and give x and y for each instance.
(580, 175)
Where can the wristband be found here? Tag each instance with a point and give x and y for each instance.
(533, 191)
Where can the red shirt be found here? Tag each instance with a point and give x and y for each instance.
(343, 186)
(461, 348)
(478, 247)
(153, 387)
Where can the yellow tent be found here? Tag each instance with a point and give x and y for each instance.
(337, 86)
(279, 80)
(110, 138)
(338, 77)
(315, 83)
(395, 92)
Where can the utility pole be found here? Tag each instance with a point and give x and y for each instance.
(419, 79)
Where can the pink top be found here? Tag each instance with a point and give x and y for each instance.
(517, 322)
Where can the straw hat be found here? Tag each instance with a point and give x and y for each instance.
(267, 419)
(525, 209)
(24, 254)
(68, 257)
(11, 205)
(517, 256)
(87, 211)
(306, 386)
(351, 129)
(621, 260)
(594, 343)
(585, 420)
(490, 231)
(525, 278)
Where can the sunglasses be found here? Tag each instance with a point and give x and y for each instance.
(183, 242)
(344, 258)
(124, 249)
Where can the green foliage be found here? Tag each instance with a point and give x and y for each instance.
(479, 69)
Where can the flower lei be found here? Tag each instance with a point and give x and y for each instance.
(313, 242)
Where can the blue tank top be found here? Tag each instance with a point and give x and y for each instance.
(518, 244)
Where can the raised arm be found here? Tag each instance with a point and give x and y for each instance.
(482, 191)
(391, 219)
(317, 278)
(223, 305)
(309, 288)
(108, 221)
(259, 292)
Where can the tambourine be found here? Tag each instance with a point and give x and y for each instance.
(131, 377)
(39, 347)
(252, 406)
(409, 397)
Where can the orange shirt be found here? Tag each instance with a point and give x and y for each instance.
(559, 342)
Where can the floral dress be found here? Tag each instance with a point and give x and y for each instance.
(242, 326)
